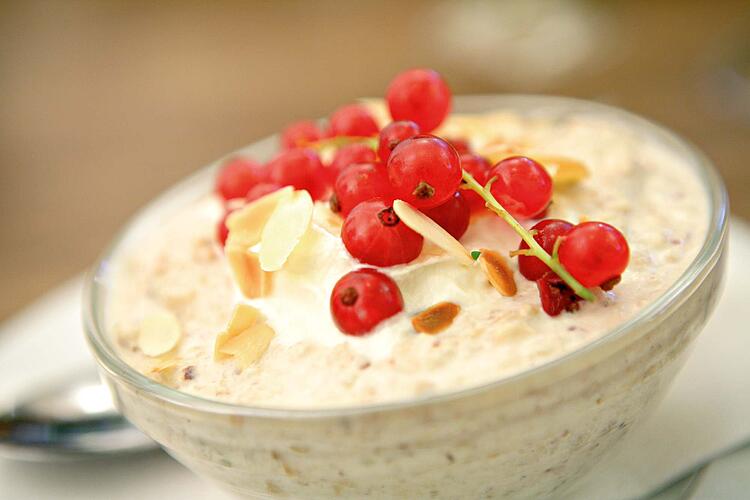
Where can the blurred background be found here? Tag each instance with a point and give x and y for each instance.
(105, 104)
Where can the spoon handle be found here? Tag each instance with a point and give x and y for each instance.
(34, 440)
(72, 421)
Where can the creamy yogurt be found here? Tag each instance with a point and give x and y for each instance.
(635, 184)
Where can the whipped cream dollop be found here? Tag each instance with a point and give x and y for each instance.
(298, 308)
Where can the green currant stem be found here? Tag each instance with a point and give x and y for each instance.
(536, 249)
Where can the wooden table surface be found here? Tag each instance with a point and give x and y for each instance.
(105, 104)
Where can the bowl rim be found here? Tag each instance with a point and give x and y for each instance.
(704, 261)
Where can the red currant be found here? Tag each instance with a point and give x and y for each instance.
(394, 133)
(547, 232)
(419, 95)
(361, 299)
(358, 183)
(555, 295)
(261, 190)
(300, 133)
(350, 155)
(237, 176)
(594, 253)
(373, 234)
(301, 168)
(461, 146)
(425, 171)
(478, 167)
(353, 120)
(453, 215)
(522, 186)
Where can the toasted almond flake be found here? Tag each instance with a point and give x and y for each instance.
(159, 333)
(246, 224)
(221, 339)
(429, 229)
(498, 272)
(163, 363)
(244, 316)
(284, 229)
(164, 369)
(436, 318)
(252, 281)
(250, 345)
(564, 171)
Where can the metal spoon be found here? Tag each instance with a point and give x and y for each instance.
(74, 421)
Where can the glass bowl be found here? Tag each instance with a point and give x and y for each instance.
(528, 435)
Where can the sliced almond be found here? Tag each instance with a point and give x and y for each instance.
(284, 229)
(244, 316)
(221, 340)
(250, 345)
(429, 229)
(498, 272)
(246, 224)
(436, 318)
(164, 369)
(252, 281)
(564, 171)
(159, 333)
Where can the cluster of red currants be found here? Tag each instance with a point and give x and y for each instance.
(594, 253)
(424, 170)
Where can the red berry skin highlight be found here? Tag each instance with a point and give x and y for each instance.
(419, 95)
(353, 120)
(373, 234)
(522, 186)
(301, 168)
(237, 176)
(453, 215)
(594, 253)
(425, 171)
(300, 134)
(362, 299)
(392, 134)
(547, 233)
(359, 183)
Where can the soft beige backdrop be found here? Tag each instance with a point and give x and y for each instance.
(104, 104)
